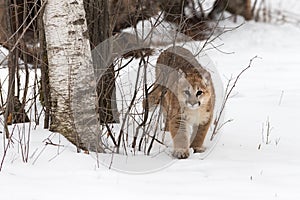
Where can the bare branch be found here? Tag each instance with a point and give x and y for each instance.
(228, 92)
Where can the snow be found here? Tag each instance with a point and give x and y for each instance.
(240, 166)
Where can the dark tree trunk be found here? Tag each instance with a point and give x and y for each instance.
(99, 31)
(11, 68)
(43, 59)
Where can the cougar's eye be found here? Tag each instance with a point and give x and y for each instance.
(199, 93)
(187, 92)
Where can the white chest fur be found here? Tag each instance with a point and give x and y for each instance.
(196, 116)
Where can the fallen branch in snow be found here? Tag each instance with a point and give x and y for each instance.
(49, 142)
(228, 92)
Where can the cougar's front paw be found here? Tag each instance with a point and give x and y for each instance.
(199, 149)
(181, 153)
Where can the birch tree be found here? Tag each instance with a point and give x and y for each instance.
(71, 75)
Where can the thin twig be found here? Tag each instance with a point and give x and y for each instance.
(227, 95)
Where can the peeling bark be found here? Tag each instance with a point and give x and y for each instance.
(71, 74)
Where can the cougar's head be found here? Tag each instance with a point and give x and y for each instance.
(194, 90)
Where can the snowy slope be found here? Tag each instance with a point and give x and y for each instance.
(241, 166)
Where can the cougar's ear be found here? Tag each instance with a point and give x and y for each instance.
(206, 78)
(181, 74)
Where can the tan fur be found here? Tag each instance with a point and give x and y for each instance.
(187, 116)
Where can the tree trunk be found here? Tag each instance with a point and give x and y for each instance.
(3, 30)
(45, 91)
(71, 74)
(12, 62)
(99, 31)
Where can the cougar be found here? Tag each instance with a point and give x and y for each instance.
(185, 91)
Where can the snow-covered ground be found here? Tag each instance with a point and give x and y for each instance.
(250, 160)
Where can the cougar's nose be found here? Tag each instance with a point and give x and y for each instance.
(193, 104)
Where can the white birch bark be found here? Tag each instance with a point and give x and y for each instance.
(71, 74)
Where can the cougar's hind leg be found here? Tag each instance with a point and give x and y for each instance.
(153, 97)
